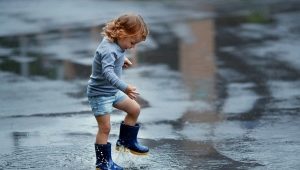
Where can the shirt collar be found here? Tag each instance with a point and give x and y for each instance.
(119, 49)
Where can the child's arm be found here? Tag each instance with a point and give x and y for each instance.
(109, 74)
(108, 63)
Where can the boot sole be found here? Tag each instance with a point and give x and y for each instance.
(121, 148)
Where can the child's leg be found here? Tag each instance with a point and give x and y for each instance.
(102, 147)
(103, 128)
(101, 107)
(129, 128)
(132, 108)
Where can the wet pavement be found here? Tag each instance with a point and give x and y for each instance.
(219, 86)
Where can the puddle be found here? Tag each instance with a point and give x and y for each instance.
(217, 92)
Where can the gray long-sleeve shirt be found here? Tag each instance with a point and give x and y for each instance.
(105, 79)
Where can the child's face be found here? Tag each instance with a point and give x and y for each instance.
(128, 42)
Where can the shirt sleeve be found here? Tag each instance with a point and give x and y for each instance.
(107, 62)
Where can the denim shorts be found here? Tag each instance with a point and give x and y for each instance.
(102, 105)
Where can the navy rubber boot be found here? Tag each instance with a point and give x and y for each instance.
(128, 140)
(103, 158)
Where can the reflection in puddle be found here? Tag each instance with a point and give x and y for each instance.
(189, 50)
(197, 60)
(62, 54)
(197, 65)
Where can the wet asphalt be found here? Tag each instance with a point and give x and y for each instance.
(219, 87)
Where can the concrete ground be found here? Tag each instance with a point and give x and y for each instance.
(219, 83)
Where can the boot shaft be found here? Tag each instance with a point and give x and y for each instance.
(103, 157)
(103, 153)
(128, 139)
(128, 132)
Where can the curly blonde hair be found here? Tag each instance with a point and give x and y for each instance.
(127, 25)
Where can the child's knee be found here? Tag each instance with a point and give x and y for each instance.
(136, 110)
(104, 129)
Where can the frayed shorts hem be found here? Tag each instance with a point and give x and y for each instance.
(102, 105)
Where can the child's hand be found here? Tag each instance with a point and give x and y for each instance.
(131, 92)
(127, 63)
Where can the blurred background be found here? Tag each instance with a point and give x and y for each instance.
(219, 83)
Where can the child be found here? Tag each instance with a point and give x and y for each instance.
(106, 89)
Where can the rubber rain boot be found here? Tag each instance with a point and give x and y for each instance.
(128, 140)
(103, 158)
